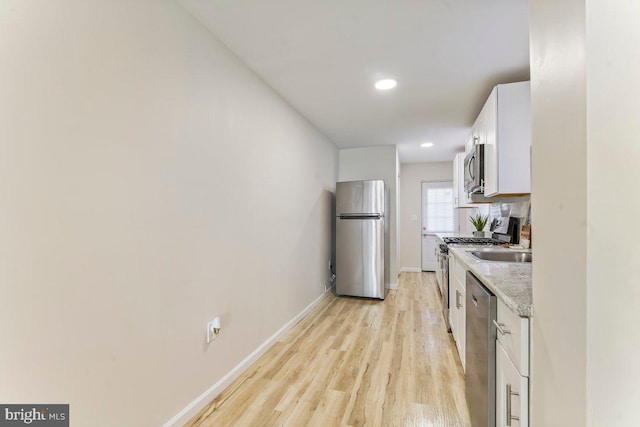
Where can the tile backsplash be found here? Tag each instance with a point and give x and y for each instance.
(517, 207)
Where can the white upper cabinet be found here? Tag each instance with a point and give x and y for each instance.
(460, 197)
(504, 127)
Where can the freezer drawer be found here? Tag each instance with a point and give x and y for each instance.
(360, 257)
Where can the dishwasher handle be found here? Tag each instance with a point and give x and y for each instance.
(501, 329)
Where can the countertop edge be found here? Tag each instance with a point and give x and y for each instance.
(519, 290)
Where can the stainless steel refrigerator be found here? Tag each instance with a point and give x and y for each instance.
(361, 239)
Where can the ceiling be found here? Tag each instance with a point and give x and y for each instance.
(323, 57)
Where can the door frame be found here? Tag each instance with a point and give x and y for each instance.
(455, 220)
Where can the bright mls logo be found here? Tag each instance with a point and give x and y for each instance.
(34, 415)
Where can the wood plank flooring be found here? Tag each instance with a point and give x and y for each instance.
(354, 362)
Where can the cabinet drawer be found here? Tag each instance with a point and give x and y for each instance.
(512, 392)
(460, 271)
(514, 337)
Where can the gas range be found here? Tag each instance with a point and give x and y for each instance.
(442, 272)
(472, 241)
(468, 241)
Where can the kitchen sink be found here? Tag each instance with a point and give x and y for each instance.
(502, 256)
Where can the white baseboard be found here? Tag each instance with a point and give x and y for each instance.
(393, 285)
(203, 400)
(411, 270)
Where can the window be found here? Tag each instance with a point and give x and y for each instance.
(438, 213)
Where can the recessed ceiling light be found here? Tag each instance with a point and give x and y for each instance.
(427, 144)
(386, 84)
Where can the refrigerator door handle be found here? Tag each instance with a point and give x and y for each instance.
(360, 216)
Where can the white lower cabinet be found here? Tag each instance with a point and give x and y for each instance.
(461, 336)
(512, 392)
(430, 250)
(457, 313)
(452, 297)
(512, 368)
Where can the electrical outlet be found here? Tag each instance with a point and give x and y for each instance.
(213, 329)
(210, 334)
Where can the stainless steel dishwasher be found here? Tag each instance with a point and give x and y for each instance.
(480, 353)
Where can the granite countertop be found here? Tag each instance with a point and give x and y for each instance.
(509, 281)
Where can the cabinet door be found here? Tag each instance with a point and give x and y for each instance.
(515, 339)
(466, 200)
(461, 322)
(513, 130)
(512, 392)
(507, 124)
(439, 271)
(429, 252)
(456, 182)
(452, 298)
(457, 292)
(490, 121)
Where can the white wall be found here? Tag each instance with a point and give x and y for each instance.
(585, 155)
(613, 206)
(411, 177)
(464, 218)
(149, 181)
(558, 200)
(376, 163)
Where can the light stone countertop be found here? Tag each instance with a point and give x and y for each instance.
(509, 281)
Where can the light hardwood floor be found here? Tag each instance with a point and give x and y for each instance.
(354, 362)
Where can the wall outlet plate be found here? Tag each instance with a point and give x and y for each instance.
(211, 326)
(210, 334)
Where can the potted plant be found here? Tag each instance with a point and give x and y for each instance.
(479, 221)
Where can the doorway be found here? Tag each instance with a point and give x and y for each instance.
(438, 216)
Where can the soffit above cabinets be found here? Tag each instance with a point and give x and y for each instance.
(323, 57)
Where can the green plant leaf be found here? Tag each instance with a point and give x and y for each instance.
(479, 221)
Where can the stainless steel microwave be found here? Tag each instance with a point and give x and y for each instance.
(474, 170)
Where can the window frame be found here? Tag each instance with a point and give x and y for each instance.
(443, 184)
